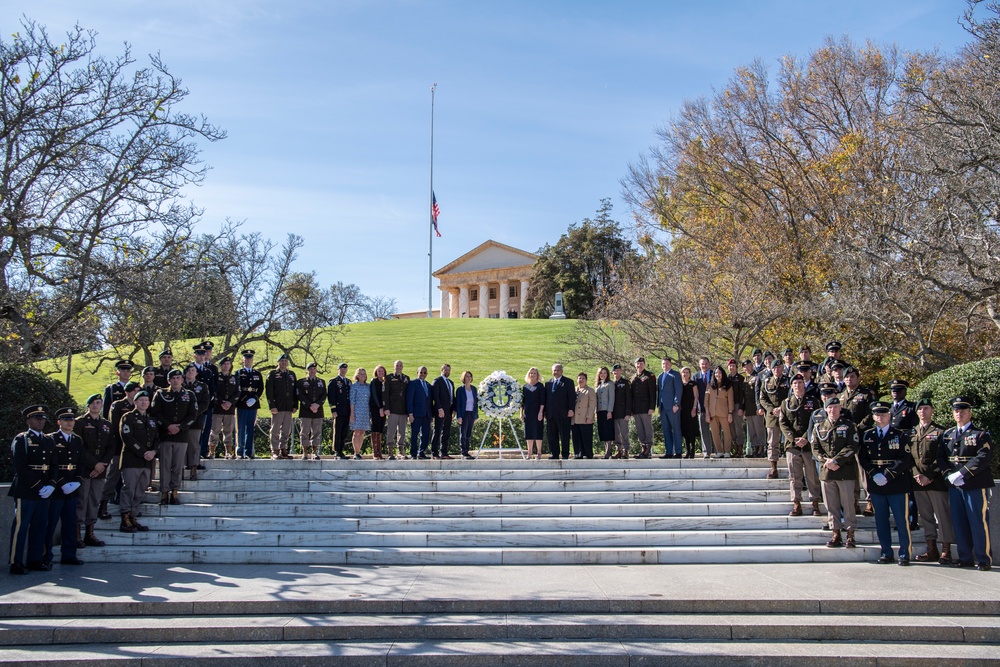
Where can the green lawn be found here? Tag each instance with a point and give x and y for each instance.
(481, 346)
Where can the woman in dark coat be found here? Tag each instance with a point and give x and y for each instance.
(532, 410)
(689, 412)
(376, 407)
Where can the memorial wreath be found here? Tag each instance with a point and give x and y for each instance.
(499, 396)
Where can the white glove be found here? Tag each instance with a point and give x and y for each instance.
(46, 491)
(251, 401)
(70, 487)
(956, 478)
(880, 479)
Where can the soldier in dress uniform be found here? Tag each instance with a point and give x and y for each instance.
(139, 433)
(790, 364)
(903, 415)
(794, 423)
(394, 398)
(835, 447)
(644, 397)
(62, 504)
(773, 392)
(204, 398)
(311, 394)
(805, 357)
(339, 395)
(208, 373)
(116, 390)
(885, 457)
(826, 390)
(161, 371)
(756, 429)
(621, 412)
(98, 450)
(33, 458)
(224, 411)
(148, 383)
(931, 488)
(857, 400)
(175, 410)
(832, 356)
(965, 460)
(251, 384)
(111, 484)
(279, 387)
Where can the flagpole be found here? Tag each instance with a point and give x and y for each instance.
(430, 225)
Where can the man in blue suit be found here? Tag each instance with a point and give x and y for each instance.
(670, 387)
(559, 404)
(418, 408)
(704, 378)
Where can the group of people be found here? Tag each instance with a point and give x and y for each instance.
(835, 437)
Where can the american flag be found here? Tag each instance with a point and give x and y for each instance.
(435, 212)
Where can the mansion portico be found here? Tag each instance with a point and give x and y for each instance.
(490, 280)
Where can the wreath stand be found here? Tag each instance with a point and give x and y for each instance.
(499, 421)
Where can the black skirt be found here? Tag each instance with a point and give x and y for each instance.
(533, 429)
(605, 427)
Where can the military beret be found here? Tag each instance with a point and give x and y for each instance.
(769, 354)
(924, 400)
(898, 384)
(850, 369)
(312, 364)
(188, 367)
(798, 376)
(132, 386)
(879, 407)
(731, 361)
(638, 359)
(248, 354)
(805, 348)
(123, 365)
(833, 345)
(166, 353)
(141, 394)
(97, 397)
(65, 413)
(788, 350)
(748, 362)
(776, 363)
(148, 369)
(34, 411)
(175, 374)
(833, 400)
(284, 357)
(961, 403)
(757, 350)
(616, 367)
(342, 365)
(225, 360)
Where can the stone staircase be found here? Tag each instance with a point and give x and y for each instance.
(487, 511)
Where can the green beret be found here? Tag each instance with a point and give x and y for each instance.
(92, 398)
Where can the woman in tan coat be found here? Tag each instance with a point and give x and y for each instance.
(583, 419)
(719, 410)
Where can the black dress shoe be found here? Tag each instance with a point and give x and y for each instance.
(71, 561)
(578, 456)
(963, 563)
(885, 560)
(17, 568)
(984, 567)
(341, 457)
(40, 567)
(468, 456)
(201, 467)
(904, 561)
(424, 457)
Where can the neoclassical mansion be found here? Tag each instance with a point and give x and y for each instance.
(489, 281)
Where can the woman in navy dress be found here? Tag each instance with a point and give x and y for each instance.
(467, 409)
(533, 410)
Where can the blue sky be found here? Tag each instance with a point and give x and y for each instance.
(540, 106)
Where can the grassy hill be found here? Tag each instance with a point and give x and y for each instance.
(481, 346)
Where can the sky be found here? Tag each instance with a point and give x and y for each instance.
(540, 107)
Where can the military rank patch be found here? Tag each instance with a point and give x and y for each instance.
(126, 429)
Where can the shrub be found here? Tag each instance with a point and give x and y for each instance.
(21, 386)
(981, 381)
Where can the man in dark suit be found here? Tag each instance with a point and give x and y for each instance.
(443, 407)
(669, 390)
(418, 409)
(559, 403)
(704, 377)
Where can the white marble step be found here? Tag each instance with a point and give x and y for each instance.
(209, 484)
(488, 498)
(311, 473)
(483, 556)
(484, 464)
(177, 522)
(462, 538)
(320, 509)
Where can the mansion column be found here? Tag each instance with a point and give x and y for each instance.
(484, 301)
(463, 301)
(445, 304)
(524, 296)
(453, 298)
(504, 299)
